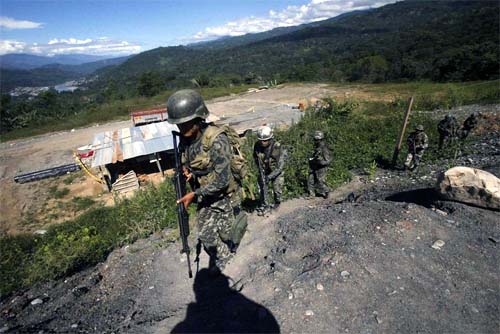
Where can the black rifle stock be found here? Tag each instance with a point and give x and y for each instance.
(182, 215)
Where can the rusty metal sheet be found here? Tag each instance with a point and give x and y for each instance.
(127, 143)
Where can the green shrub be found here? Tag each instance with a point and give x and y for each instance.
(74, 245)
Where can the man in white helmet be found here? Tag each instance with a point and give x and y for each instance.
(270, 158)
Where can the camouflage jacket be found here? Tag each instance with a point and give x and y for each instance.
(321, 157)
(470, 123)
(211, 174)
(272, 158)
(448, 126)
(417, 140)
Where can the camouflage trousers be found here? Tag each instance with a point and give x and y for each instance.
(277, 186)
(445, 140)
(413, 159)
(316, 182)
(215, 222)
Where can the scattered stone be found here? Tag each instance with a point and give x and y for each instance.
(474, 309)
(441, 212)
(40, 232)
(438, 244)
(345, 273)
(74, 326)
(4, 329)
(320, 287)
(290, 295)
(471, 186)
(151, 287)
(36, 301)
(79, 291)
(309, 313)
(392, 293)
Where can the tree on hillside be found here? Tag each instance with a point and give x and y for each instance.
(149, 83)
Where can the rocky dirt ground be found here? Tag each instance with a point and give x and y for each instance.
(364, 265)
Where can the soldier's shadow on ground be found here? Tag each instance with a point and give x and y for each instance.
(219, 309)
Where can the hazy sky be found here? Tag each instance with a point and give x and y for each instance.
(120, 27)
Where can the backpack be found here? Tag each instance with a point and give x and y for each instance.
(239, 165)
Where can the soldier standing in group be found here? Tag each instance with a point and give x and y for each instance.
(318, 166)
(209, 174)
(469, 124)
(417, 144)
(447, 129)
(270, 157)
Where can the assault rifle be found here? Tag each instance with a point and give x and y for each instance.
(180, 191)
(263, 177)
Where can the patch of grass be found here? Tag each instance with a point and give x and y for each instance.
(57, 193)
(71, 178)
(74, 245)
(82, 203)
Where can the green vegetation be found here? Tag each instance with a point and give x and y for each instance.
(74, 245)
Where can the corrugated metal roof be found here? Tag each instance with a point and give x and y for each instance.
(119, 145)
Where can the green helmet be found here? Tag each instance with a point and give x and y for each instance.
(419, 127)
(318, 135)
(185, 105)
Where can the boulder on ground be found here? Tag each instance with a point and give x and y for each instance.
(470, 185)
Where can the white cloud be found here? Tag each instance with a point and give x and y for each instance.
(8, 46)
(315, 10)
(98, 46)
(10, 23)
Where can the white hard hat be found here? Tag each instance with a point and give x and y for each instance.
(264, 133)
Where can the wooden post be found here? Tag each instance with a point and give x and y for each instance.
(402, 133)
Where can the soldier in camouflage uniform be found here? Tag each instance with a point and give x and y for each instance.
(318, 166)
(469, 124)
(447, 128)
(417, 144)
(209, 174)
(270, 157)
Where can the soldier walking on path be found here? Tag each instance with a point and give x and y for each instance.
(318, 166)
(417, 144)
(447, 128)
(208, 170)
(270, 157)
(469, 124)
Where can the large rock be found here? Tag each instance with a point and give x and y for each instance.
(470, 185)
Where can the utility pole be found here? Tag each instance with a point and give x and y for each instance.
(402, 133)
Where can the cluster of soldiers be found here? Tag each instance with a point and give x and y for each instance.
(270, 157)
(207, 155)
(208, 152)
(449, 132)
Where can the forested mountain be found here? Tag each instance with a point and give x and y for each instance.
(409, 40)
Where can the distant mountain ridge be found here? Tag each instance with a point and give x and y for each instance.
(407, 40)
(23, 61)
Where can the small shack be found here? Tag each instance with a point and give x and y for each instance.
(143, 149)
